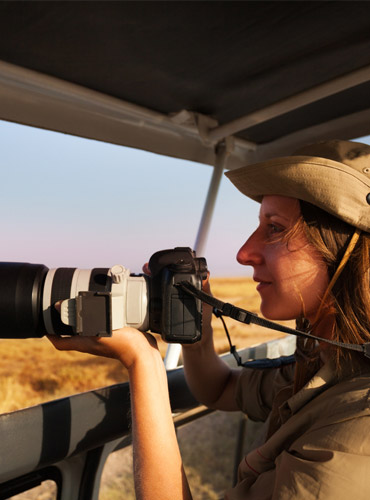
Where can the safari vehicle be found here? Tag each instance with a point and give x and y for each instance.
(219, 83)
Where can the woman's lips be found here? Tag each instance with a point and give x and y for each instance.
(262, 284)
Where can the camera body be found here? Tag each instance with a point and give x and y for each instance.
(174, 314)
(97, 301)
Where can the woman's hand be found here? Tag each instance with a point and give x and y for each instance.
(207, 309)
(207, 333)
(127, 345)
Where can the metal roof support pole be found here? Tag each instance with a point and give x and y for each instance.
(222, 150)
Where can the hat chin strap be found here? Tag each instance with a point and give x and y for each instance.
(350, 247)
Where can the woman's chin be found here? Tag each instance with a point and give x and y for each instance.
(277, 314)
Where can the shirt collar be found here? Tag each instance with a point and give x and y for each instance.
(323, 379)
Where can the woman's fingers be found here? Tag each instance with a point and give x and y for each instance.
(146, 269)
(58, 305)
(206, 287)
(126, 345)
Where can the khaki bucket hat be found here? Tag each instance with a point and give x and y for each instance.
(333, 175)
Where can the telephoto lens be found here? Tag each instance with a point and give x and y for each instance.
(94, 302)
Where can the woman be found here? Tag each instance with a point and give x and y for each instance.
(310, 256)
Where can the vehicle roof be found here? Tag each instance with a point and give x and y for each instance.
(177, 77)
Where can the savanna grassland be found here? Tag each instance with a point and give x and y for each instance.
(32, 371)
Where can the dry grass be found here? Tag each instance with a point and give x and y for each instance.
(32, 371)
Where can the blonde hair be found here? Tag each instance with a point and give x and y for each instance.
(350, 295)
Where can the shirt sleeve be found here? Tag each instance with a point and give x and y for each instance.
(256, 389)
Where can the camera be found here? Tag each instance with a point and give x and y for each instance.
(94, 302)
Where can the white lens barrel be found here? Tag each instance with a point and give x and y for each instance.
(130, 298)
(137, 303)
(66, 283)
(129, 294)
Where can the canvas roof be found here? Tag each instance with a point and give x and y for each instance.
(178, 77)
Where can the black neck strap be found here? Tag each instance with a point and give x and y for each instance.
(247, 317)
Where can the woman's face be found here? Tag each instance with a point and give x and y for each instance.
(291, 275)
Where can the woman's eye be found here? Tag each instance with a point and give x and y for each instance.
(274, 229)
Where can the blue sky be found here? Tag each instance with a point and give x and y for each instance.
(72, 202)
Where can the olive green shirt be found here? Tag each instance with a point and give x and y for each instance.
(321, 448)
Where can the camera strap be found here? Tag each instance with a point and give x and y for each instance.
(247, 317)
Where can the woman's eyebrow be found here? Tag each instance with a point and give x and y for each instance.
(268, 215)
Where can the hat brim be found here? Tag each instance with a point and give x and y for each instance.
(330, 185)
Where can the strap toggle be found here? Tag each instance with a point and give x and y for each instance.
(236, 313)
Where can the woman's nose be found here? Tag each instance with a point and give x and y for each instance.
(250, 253)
